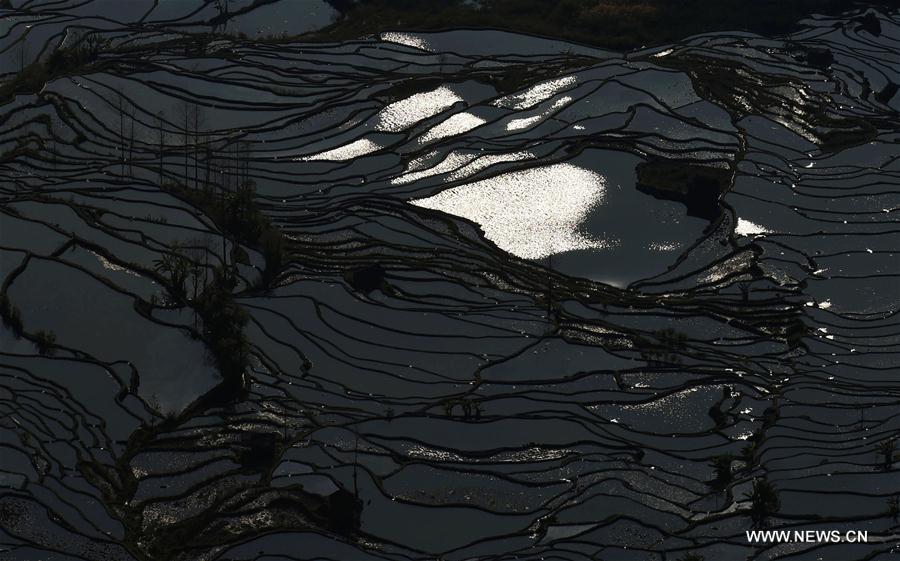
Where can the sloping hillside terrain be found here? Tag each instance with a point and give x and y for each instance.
(448, 295)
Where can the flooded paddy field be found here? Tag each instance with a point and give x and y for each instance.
(459, 295)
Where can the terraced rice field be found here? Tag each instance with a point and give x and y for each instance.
(461, 295)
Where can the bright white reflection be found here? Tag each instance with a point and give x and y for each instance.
(405, 39)
(107, 264)
(345, 152)
(525, 122)
(535, 94)
(530, 213)
(461, 164)
(487, 161)
(664, 246)
(454, 160)
(747, 228)
(404, 113)
(456, 124)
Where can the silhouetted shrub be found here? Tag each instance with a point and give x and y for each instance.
(366, 279)
(238, 214)
(31, 78)
(886, 450)
(44, 341)
(764, 501)
(223, 325)
(11, 316)
(722, 466)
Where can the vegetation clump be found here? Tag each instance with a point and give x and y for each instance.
(699, 188)
(722, 466)
(175, 266)
(44, 341)
(764, 501)
(32, 77)
(11, 316)
(887, 449)
(223, 325)
(367, 278)
(618, 24)
(663, 347)
(223, 319)
(240, 217)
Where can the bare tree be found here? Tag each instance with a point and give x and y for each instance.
(224, 7)
(198, 253)
(237, 165)
(23, 52)
(241, 162)
(121, 107)
(208, 159)
(160, 127)
(131, 142)
(197, 115)
(183, 109)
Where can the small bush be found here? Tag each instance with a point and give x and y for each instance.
(886, 450)
(175, 267)
(238, 214)
(11, 316)
(44, 341)
(32, 78)
(764, 501)
(894, 507)
(272, 242)
(722, 466)
(223, 322)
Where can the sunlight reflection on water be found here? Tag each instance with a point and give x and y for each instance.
(455, 124)
(407, 112)
(346, 152)
(535, 94)
(405, 39)
(530, 213)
